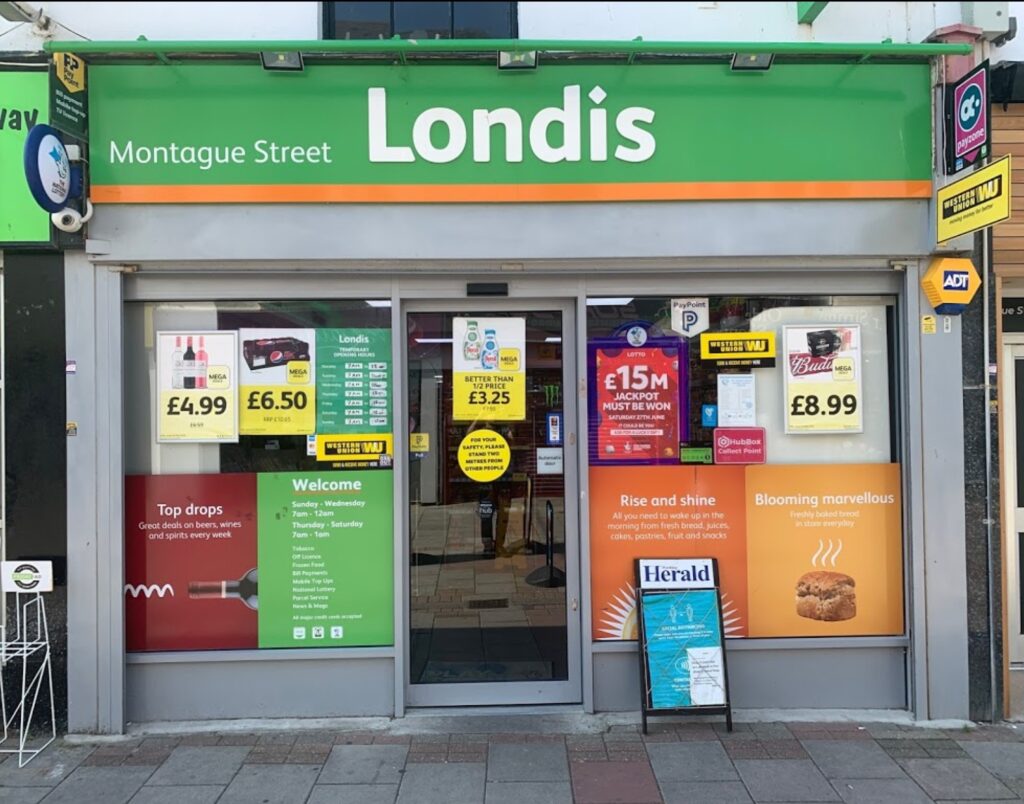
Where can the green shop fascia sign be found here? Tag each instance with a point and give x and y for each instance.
(24, 95)
(200, 133)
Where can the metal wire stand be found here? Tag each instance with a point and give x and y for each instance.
(31, 641)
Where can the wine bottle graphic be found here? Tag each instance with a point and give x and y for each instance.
(177, 365)
(190, 364)
(244, 589)
(202, 360)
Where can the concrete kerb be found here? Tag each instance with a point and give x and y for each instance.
(536, 720)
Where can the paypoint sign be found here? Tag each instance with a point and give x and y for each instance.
(949, 284)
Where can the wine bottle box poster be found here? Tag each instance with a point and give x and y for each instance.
(258, 560)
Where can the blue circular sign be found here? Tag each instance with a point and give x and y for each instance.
(47, 168)
(970, 109)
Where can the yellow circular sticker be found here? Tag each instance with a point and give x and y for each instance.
(484, 456)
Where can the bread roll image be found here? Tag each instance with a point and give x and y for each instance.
(827, 596)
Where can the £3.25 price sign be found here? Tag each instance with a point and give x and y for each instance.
(823, 379)
(198, 391)
(489, 369)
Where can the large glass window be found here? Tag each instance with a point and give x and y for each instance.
(258, 490)
(760, 431)
(427, 20)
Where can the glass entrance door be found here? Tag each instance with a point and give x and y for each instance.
(492, 519)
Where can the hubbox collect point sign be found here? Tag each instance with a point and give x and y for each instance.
(739, 445)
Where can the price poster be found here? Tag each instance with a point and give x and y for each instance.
(489, 369)
(637, 408)
(277, 382)
(823, 379)
(197, 386)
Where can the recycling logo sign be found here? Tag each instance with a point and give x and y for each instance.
(967, 130)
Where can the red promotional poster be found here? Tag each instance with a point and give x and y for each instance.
(637, 408)
(190, 562)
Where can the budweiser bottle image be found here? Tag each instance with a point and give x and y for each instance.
(177, 365)
(244, 589)
(190, 364)
(202, 360)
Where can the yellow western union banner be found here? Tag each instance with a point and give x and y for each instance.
(738, 348)
(974, 202)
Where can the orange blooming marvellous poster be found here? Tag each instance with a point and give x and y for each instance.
(664, 511)
(824, 550)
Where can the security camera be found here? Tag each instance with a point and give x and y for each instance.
(71, 220)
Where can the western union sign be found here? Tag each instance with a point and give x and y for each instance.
(974, 202)
(738, 348)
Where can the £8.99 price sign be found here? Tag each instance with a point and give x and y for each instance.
(823, 379)
(198, 392)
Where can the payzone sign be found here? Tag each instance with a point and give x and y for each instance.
(968, 120)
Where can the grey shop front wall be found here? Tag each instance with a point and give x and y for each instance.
(201, 254)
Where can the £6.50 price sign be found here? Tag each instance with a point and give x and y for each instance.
(278, 388)
(823, 379)
(489, 369)
(197, 397)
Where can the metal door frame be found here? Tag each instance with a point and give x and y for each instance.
(1013, 350)
(506, 693)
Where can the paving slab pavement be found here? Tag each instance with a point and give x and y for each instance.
(478, 761)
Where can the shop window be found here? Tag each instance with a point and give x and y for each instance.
(427, 20)
(258, 489)
(760, 431)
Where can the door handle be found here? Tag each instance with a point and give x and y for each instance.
(575, 604)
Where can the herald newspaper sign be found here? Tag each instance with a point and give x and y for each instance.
(967, 120)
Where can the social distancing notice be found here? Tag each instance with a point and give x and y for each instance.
(484, 456)
(489, 369)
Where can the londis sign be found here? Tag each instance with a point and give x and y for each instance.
(201, 133)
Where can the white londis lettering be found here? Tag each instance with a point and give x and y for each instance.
(555, 133)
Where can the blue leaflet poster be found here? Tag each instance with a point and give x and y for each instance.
(685, 662)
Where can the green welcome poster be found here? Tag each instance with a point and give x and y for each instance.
(325, 559)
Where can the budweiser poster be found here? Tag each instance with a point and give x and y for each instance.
(823, 379)
(637, 401)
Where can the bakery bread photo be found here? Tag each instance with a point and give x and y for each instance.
(828, 596)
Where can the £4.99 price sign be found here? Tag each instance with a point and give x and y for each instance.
(823, 379)
(197, 376)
